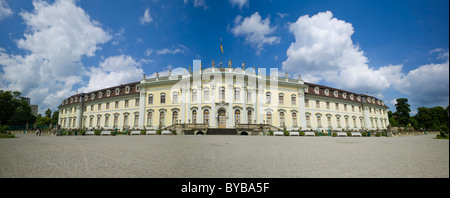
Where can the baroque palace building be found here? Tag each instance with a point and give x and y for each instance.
(223, 98)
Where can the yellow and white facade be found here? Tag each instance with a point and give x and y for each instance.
(223, 98)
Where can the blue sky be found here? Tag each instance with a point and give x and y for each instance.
(49, 50)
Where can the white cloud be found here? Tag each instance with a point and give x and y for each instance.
(428, 84)
(58, 36)
(146, 18)
(239, 3)
(198, 3)
(255, 30)
(113, 71)
(175, 50)
(323, 50)
(5, 11)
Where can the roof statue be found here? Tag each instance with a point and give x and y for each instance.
(229, 63)
(213, 64)
(243, 65)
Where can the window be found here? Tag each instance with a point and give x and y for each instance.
(126, 104)
(116, 105)
(149, 118)
(174, 117)
(206, 116)
(249, 117)
(282, 120)
(161, 118)
(99, 118)
(108, 93)
(353, 108)
(306, 103)
(317, 104)
(163, 98)
(319, 121)
(308, 121)
(269, 118)
(237, 94)
(329, 121)
(106, 121)
(294, 119)
(91, 120)
(92, 107)
(222, 93)
(127, 89)
(117, 91)
(107, 105)
(125, 120)
(328, 105)
(136, 120)
(293, 99)
(99, 107)
(116, 119)
(268, 98)
(194, 116)
(249, 95)
(237, 117)
(354, 122)
(206, 94)
(345, 107)
(194, 95)
(338, 120)
(150, 99)
(136, 102)
(280, 98)
(175, 97)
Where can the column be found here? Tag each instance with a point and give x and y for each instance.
(200, 97)
(230, 113)
(244, 114)
(301, 108)
(366, 117)
(79, 115)
(142, 102)
(213, 113)
(183, 105)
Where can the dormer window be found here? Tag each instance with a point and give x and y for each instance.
(336, 93)
(351, 96)
(117, 91)
(108, 93)
(127, 89)
(327, 92)
(86, 97)
(359, 98)
(316, 90)
(100, 94)
(71, 100)
(137, 88)
(373, 100)
(92, 96)
(344, 95)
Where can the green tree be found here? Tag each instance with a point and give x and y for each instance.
(402, 112)
(48, 113)
(55, 117)
(14, 109)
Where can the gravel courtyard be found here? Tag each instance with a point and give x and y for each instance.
(223, 157)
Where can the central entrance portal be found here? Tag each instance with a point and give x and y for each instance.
(222, 119)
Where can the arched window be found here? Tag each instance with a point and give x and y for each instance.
(206, 116)
(175, 97)
(269, 118)
(237, 117)
(149, 118)
(161, 118)
(222, 93)
(280, 98)
(282, 120)
(294, 119)
(268, 95)
(194, 116)
(150, 99)
(293, 100)
(163, 98)
(174, 117)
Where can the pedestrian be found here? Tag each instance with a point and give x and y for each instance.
(37, 131)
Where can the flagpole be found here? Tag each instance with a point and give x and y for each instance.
(221, 48)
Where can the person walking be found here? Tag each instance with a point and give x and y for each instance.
(38, 132)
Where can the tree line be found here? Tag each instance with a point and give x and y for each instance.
(427, 118)
(15, 110)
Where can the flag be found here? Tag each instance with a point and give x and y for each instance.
(221, 47)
